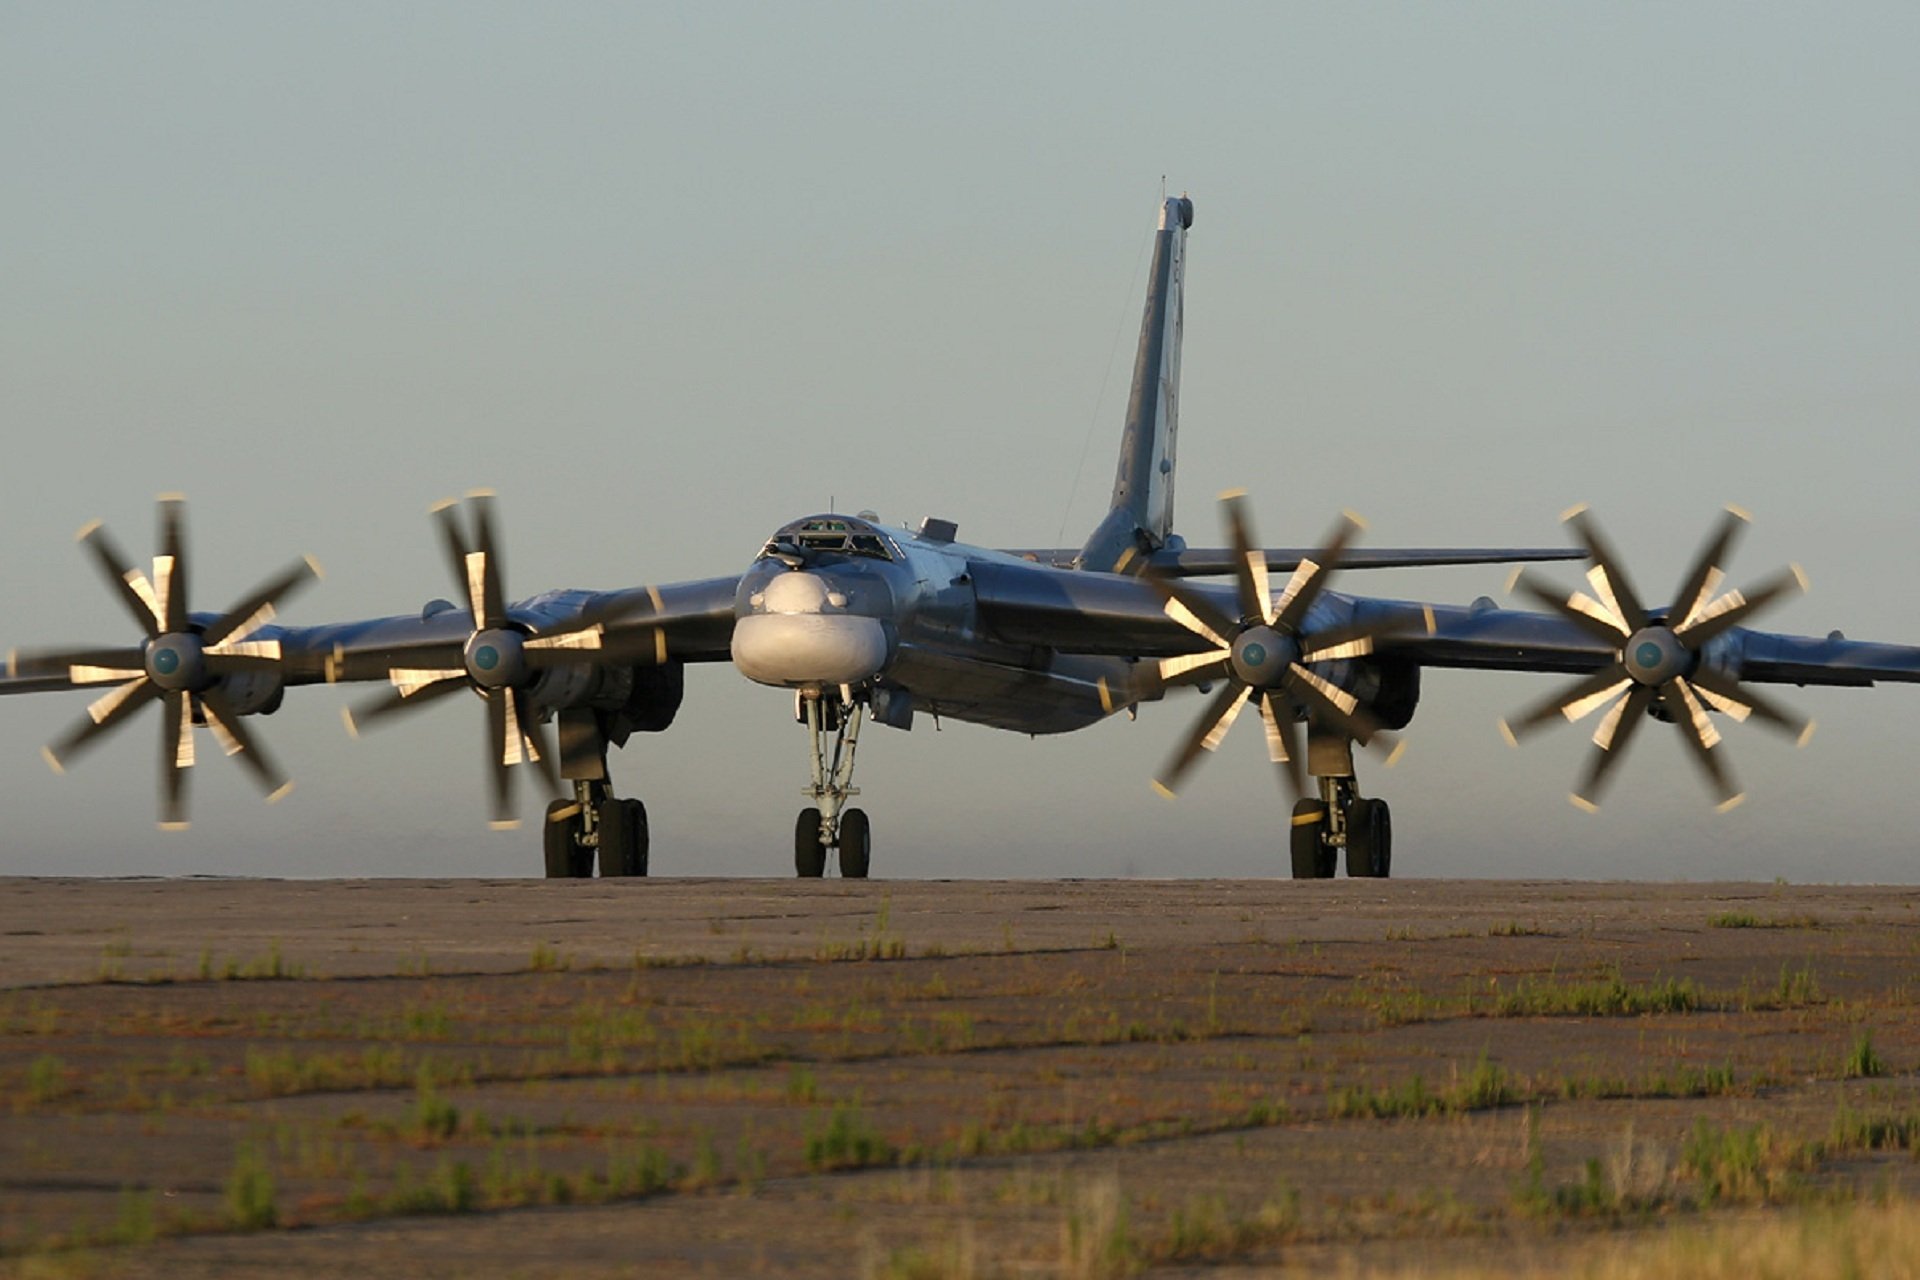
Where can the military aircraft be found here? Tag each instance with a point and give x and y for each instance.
(864, 622)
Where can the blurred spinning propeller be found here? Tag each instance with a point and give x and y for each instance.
(499, 658)
(1265, 655)
(183, 665)
(1658, 662)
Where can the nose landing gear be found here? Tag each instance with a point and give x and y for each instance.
(833, 736)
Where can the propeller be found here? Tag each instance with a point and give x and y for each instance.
(499, 658)
(1265, 655)
(1658, 664)
(181, 664)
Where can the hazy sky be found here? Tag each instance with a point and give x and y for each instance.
(665, 277)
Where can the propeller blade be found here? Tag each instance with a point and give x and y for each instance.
(1193, 610)
(499, 745)
(83, 666)
(493, 605)
(1311, 576)
(1741, 702)
(1194, 668)
(439, 656)
(1697, 587)
(1582, 610)
(537, 750)
(1204, 736)
(1582, 694)
(402, 699)
(1358, 639)
(558, 648)
(447, 514)
(176, 757)
(238, 742)
(256, 608)
(1283, 746)
(122, 576)
(1250, 565)
(1608, 562)
(170, 566)
(1335, 708)
(1610, 744)
(1704, 739)
(103, 716)
(1735, 607)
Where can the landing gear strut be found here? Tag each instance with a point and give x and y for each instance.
(833, 735)
(1341, 819)
(596, 825)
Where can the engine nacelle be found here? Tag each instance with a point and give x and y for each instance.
(1390, 689)
(627, 700)
(254, 693)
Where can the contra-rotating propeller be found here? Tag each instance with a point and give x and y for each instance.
(1266, 652)
(181, 665)
(500, 659)
(1658, 661)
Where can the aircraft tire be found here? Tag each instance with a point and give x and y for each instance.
(1369, 840)
(623, 838)
(1303, 839)
(809, 855)
(856, 845)
(557, 841)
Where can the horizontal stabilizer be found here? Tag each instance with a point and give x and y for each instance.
(1203, 562)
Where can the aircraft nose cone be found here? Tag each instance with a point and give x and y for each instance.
(809, 650)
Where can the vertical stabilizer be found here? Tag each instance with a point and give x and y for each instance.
(1141, 516)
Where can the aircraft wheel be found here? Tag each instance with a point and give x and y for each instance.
(1303, 839)
(856, 844)
(1369, 839)
(558, 841)
(809, 855)
(623, 838)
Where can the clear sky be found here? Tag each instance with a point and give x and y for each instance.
(667, 276)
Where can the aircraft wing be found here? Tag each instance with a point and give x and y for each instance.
(678, 622)
(1202, 562)
(1485, 637)
(1124, 616)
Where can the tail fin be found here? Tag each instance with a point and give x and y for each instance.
(1140, 519)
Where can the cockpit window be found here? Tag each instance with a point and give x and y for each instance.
(844, 537)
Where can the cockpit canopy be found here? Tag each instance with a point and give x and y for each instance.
(830, 535)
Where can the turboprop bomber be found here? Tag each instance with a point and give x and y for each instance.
(865, 623)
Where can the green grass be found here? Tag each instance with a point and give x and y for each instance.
(1861, 1061)
(1485, 1086)
(46, 1080)
(1608, 997)
(251, 1204)
(434, 1118)
(272, 967)
(1858, 1131)
(1742, 1165)
(1205, 1229)
(847, 1141)
(1747, 920)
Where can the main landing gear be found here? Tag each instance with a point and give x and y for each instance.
(1340, 819)
(833, 735)
(596, 825)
